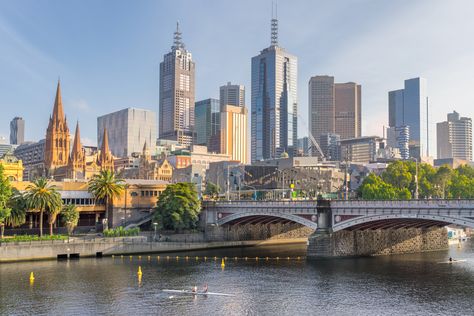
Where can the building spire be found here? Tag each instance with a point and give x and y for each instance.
(58, 112)
(274, 26)
(104, 148)
(178, 42)
(76, 147)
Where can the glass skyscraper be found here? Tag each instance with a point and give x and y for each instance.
(409, 107)
(207, 118)
(274, 101)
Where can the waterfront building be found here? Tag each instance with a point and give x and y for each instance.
(12, 166)
(233, 132)
(454, 137)
(232, 94)
(57, 142)
(17, 131)
(361, 149)
(409, 107)
(176, 115)
(128, 130)
(273, 101)
(399, 137)
(334, 107)
(330, 143)
(32, 156)
(207, 118)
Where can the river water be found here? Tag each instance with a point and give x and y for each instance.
(394, 285)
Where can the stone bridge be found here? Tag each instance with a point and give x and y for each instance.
(354, 227)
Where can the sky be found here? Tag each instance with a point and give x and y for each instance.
(107, 53)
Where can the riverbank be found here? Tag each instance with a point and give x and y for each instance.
(76, 248)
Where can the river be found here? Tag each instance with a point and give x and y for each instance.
(415, 284)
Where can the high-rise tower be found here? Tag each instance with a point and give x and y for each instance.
(17, 131)
(274, 100)
(176, 113)
(56, 152)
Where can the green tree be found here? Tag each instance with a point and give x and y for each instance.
(374, 188)
(212, 190)
(397, 174)
(441, 180)
(461, 186)
(70, 217)
(41, 196)
(5, 194)
(19, 207)
(106, 186)
(178, 207)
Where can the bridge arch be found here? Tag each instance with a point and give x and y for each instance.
(413, 218)
(291, 217)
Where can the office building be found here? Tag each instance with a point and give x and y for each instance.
(399, 137)
(409, 107)
(17, 131)
(232, 94)
(361, 149)
(329, 143)
(233, 132)
(32, 156)
(207, 118)
(273, 101)
(128, 130)
(454, 137)
(176, 120)
(334, 107)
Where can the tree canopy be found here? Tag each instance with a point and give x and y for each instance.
(178, 207)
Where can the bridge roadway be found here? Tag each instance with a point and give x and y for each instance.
(336, 215)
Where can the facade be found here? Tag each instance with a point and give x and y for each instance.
(233, 132)
(303, 146)
(348, 101)
(232, 94)
(409, 107)
(361, 149)
(17, 131)
(273, 101)
(399, 137)
(128, 130)
(32, 156)
(176, 116)
(12, 167)
(334, 108)
(4, 148)
(207, 118)
(330, 145)
(57, 142)
(454, 137)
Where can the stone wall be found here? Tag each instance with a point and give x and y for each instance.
(257, 232)
(346, 243)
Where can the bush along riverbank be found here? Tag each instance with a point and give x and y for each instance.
(121, 232)
(27, 238)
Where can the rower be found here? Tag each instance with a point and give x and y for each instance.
(195, 289)
(204, 288)
(450, 259)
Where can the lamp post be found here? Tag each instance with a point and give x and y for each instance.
(155, 225)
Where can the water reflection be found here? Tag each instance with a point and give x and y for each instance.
(410, 284)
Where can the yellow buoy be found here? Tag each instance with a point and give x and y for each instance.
(298, 258)
(288, 258)
(131, 258)
(222, 263)
(187, 258)
(215, 258)
(167, 257)
(32, 277)
(113, 257)
(278, 258)
(266, 258)
(121, 256)
(256, 258)
(149, 258)
(205, 258)
(235, 258)
(197, 258)
(158, 258)
(177, 258)
(246, 258)
(139, 272)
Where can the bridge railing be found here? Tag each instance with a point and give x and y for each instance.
(258, 203)
(432, 203)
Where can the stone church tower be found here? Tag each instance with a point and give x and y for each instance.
(56, 153)
(77, 160)
(106, 159)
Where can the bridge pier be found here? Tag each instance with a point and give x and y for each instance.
(350, 243)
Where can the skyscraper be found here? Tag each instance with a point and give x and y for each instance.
(334, 107)
(128, 130)
(232, 94)
(177, 93)
(274, 101)
(17, 131)
(409, 107)
(207, 117)
(233, 132)
(399, 137)
(454, 137)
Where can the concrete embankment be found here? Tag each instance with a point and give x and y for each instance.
(24, 251)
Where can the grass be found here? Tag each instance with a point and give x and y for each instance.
(20, 238)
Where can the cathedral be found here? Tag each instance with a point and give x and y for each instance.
(62, 162)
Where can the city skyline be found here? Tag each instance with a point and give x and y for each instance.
(37, 52)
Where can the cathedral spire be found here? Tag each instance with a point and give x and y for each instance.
(58, 112)
(77, 146)
(104, 148)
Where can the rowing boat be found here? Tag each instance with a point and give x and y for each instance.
(196, 293)
(453, 261)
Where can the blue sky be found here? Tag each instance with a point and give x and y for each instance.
(107, 53)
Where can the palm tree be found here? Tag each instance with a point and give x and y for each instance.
(41, 196)
(106, 186)
(18, 206)
(53, 213)
(70, 217)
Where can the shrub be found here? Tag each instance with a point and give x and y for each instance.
(121, 232)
